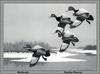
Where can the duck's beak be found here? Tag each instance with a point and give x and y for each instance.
(67, 11)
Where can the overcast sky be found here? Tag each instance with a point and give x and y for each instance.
(31, 22)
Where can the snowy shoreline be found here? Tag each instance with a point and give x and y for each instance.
(55, 57)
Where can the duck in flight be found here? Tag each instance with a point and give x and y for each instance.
(81, 15)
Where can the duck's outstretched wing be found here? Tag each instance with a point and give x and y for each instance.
(34, 61)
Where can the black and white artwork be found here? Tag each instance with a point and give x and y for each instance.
(50, 37)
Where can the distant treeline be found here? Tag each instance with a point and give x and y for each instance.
(18, 46)
(89, 47)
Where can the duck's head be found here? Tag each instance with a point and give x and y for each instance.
(71, 8)
(53, 15)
